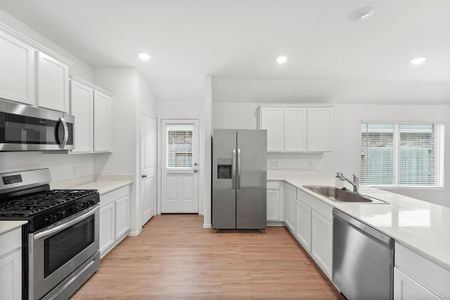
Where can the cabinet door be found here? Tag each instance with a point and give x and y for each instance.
(102, 122)
(271, 118)
(273, 205)
(304, 224)
(107, 230)
(322, 242)
(82, 107)
(52, 83)
(11, 276)
(16, 70)
(295, 129)
(405, 288)
(320, 129)
(122, 216)
(291, 195)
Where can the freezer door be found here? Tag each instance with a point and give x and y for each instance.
(251, 179)
(223, 178)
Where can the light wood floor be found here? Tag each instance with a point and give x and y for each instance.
(175, 258)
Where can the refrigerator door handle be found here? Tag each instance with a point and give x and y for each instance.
(233, 170)
(238, 177)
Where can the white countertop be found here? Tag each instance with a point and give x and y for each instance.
(6, 226)
(104, 185)
(419, 225)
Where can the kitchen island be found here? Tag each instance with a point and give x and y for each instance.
(420, 229)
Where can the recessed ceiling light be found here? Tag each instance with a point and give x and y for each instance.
(418, 60)
(282, 59)
(362, 14)
(144, 56)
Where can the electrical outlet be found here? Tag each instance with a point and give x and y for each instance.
(273, 164)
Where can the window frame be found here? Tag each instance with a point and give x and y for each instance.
(439, 150)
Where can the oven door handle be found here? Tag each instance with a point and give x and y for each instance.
(67, 224)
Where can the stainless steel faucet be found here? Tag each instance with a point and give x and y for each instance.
(354, 182)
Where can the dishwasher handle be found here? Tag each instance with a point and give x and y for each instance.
(364, 228)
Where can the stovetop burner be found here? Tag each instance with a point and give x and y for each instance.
(34, 203)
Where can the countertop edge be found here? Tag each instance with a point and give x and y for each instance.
(10, 227)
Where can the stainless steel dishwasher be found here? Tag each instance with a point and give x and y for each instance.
(363, 259)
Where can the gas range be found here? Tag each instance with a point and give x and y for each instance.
(61, 241)
(42, 207)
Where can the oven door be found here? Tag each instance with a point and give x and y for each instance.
(24, 128)
(57, 251)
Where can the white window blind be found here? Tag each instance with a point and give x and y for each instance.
(179, 146)
(401, 154)
(377, 150)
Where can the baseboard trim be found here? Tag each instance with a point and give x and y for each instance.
(135, 232)
(207, 226)
(276, 224)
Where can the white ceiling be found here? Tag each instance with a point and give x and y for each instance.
(240, 39)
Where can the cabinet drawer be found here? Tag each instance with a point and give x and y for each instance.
(273, 185)
(114, 195)
(321, 208)
(425, 272)
(10, 240)
(405, 288)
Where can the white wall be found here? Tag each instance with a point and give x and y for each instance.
(62, 166)
(346, 149)
(132, 94)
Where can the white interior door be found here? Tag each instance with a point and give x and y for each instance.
(180, 178)
(148, 178)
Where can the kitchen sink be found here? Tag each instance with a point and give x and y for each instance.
(342, 195)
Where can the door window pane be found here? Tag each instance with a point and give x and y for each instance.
(179, 145)
(377, 153)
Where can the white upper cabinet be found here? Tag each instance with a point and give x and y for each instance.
(82, 108)
(52, 83)
(319, 129)
(102, 122)
(17, 65)
(294, 128)
(271, 118)
(297, 129)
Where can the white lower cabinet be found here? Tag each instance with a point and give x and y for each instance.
(304, 225)
(107, 230)
(122, 216)
(416, 277)
(114, 218)
(290, 206)
(314, 229)
(406, 288)
(275, 202)
(322, 242)
(11, 265)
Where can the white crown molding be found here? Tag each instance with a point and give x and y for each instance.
(7, 29)
(90, 84)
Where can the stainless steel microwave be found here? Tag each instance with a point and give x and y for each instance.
(27, 128)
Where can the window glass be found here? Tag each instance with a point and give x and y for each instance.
(179, 146)
(417, 163)
(401, 154)
(377, 153)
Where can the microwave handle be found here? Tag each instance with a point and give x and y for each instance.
(66, 133)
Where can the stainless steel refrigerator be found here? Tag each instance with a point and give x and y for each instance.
(239, 179)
